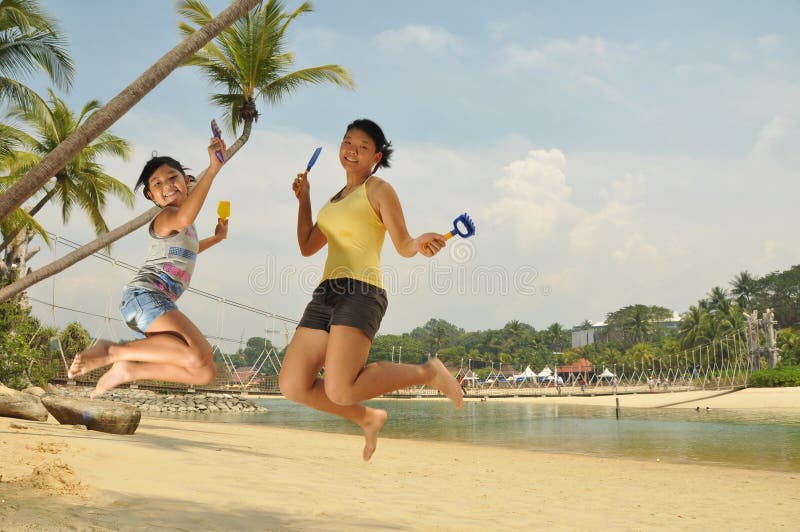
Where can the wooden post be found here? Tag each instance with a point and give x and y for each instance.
(771, 350)
(617, 407)
(753, 344)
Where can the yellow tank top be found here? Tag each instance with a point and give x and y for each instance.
(355, 238)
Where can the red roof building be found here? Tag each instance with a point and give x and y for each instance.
(581, 366)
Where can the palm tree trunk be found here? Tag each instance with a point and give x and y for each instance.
(104, 240)
(16, 195)
(248, 127)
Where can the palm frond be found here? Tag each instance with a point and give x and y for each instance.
(18, 220)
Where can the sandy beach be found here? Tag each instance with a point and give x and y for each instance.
(182, 475)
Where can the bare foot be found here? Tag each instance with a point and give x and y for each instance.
(443, 381)
(118, 374)
(94, 357)
(373, 423)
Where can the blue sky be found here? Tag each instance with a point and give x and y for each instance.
(611, 153)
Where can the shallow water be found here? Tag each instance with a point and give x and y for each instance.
(737, 438)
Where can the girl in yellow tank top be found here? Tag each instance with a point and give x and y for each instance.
(340, 322)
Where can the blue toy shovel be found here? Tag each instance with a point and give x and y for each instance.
(313, 158)
(308, 168)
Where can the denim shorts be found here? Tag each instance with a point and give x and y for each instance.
(346, 302)
(140, 307)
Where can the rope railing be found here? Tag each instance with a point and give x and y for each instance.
(720, 364)
(109, 320)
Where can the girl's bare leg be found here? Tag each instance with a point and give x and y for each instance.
(171, 339)
(299, 383)
(125, 371)
(348, 381)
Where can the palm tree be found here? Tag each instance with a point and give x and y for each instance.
(438, 336)
(638, 323)
(693, 327)
(101, 121)
(557, 337)
(104, 118)
(250, 61)
(718, 298)
(745, 287)
(81, 182)
(29, 41)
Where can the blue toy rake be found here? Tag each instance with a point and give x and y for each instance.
(463, 226)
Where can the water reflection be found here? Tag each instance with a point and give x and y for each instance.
(741, 438)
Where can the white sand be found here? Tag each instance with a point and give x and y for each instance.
(178, 475)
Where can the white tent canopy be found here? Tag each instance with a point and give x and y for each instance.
(606, 374)
(527, 374)
(546, 372)
(466, 374)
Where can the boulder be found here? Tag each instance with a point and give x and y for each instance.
(95, 414)
(34, 390)
(50, 388)
(20, 405)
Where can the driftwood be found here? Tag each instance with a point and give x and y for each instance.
(21, 405)
(34, 390)
(103, 416)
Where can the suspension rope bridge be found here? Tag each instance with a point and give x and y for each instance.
(110, 325)
(724, 363)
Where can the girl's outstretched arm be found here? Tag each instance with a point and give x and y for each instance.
(174, 219)
(391, 212)
(310, 238)
(220, 234)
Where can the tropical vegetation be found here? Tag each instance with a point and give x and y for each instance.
(249, 61)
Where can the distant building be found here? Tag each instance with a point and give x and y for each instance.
(580, 368)
(598, 332)
(587, 334)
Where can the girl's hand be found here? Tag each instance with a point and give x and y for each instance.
(429, 244)
(214, 146)
(221, 230)
(300, 185)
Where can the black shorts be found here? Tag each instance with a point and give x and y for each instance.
(346, 302)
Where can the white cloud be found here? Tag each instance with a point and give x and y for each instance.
(609, 92)
(769, 43)
(583, 62)
(605, 225)
(561, 52)
(428, 38)
(769, 135)
(534, 197)
(615, 230)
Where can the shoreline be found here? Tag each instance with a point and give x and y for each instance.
(190, 475)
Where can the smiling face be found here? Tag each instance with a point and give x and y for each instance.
(167, 186)
(358, 153)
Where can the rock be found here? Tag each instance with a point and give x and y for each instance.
(50, 388)
(20, 405)
(103, 416)
(34, 390)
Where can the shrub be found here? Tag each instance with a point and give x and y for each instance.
(74, 339)
(771, 378)
(20, 356)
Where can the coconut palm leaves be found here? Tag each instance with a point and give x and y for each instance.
(82, 184)
(30, 41)
(250, 61)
